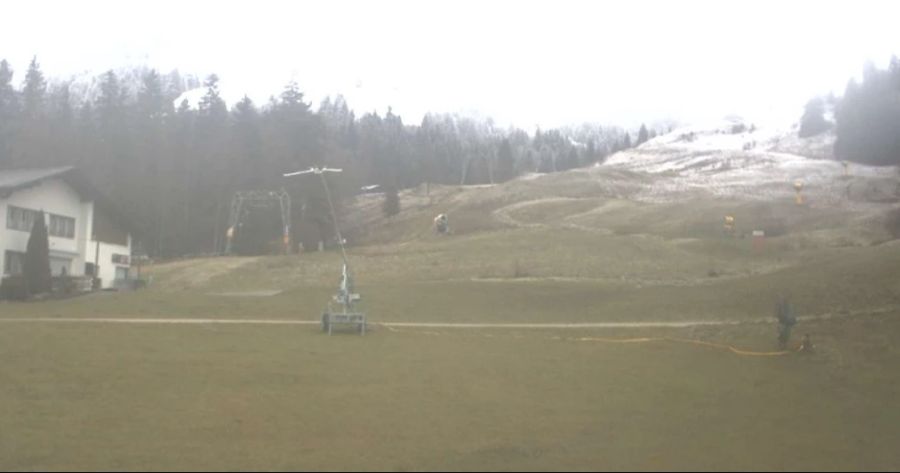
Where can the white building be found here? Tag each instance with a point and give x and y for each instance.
(85, 230)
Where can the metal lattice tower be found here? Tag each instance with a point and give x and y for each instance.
(243, 201)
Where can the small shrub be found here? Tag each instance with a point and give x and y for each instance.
(70, 285)
(62, 285)
(14, 288)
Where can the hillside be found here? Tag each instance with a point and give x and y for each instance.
(639, 237)
(677, 186)
(596, 307)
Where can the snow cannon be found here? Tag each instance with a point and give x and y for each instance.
(442, 224)
(229, 239)
(729, 225)
(346, 298)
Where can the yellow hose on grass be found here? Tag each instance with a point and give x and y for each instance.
(721, 346)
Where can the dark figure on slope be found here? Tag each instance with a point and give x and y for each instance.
(784, 312)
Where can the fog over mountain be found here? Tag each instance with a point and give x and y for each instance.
(524, 64)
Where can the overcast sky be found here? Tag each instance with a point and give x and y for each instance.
(523, 63)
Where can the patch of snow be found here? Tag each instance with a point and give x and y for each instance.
(531, 176)
(710, 160)
(193, 97)
(229, 92)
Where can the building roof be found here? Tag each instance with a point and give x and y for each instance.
(17, 179)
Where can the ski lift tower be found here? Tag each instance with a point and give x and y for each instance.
(345, 295)
(244, 200)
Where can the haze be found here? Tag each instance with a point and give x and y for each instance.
(527, 64)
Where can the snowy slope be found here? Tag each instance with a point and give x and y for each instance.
(713, 160)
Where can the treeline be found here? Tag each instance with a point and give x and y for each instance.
(174, 167)
(867, 118)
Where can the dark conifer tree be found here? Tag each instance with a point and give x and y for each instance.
(34, 91)
(591, 152)
(36, 267)
(8, 99)
(813, 121)
(9, 107)
(643, 135)
(506, 163)
(391, 204)
(868, 119)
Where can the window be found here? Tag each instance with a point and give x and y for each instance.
(60, 266)
(120, 259)
(13, 263)
(61, 226)
(121, 274)
(20, 219)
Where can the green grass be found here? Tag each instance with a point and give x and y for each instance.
(239, 398)
(167, 397)
(403, 286)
